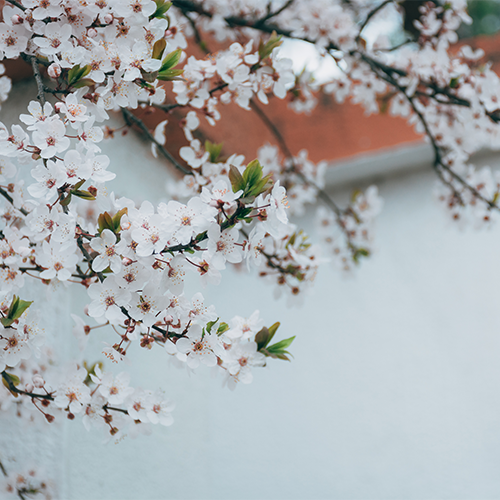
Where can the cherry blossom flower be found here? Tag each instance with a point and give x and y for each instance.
(109, 252)
(73, 394)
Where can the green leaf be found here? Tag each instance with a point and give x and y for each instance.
(281, 346)
(161, 8)
(360, 252)
(253, 173)
(170, 75)
(86, 82)
(236, 179)
(159, 48)
(214, 150)
(118, 217)
(265, 49)
(172, 60)
(76, 73)
(13, 379)
(272, 330)
(223, 327)
(84, 195)
(262, 338)
(105, 221)
(66, 200)
(16, 309)
(210, 324)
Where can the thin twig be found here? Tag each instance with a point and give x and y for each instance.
(9, 198)
(322, 194)
(377, 9)
(38, 78)
(277, 12)
(17, 4)
(130, 119)
(13, 388)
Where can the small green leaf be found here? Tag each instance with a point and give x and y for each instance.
(272, 330)
(262, 338)
(236, 179)
(170, 75)
(86, 82)
(214, 150)
(66, 200)
(159, 48)
(210, 324)
(105, 221)
(13, 379)
(118, 217)
(265, 49)
(223, 327)
(84, 195)
(171, 60)
(281, 346)
(161, 8)
(16, 309)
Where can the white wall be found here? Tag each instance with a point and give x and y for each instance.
(393, 392)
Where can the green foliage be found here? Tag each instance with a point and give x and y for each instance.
(252, 182)
(16, 309)
(9, 380)
(265, 49)
(167, 71)
(161, 9)
(278, 350)
(105, 221)
(76, 73)
(214, 150)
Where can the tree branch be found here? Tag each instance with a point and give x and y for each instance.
(9, 198)
(130, 119)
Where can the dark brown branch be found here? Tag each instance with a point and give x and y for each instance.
(270, 14)
(38, 78)
(14, 389)
(130, 119)
(322, 194)
(373, 12)
(9, 198)
(79, 242)
(17, 4)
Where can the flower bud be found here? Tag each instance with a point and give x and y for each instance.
(38, 381)
(54, 70)
(28, 387)
(91, 32)
(58, 106)
(17, 19)
(108, 18)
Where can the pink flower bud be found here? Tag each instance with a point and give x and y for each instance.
(108, 18)
(38, 381)
(28, 388)
(91, 32)
(17, 19)
(58, 106)
(54, 70)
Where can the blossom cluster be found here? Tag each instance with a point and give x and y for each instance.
(133, 260)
